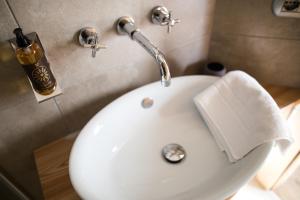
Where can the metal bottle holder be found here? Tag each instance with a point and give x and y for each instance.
(40, 98)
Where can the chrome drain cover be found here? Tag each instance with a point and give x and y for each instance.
(173, 153)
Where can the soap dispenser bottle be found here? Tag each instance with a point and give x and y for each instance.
(31, 56)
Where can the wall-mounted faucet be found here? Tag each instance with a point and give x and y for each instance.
(89, 38)
(162, 16)
(126, 25)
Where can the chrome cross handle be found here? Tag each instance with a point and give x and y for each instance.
(163, 17)
(96, 46)
(172, 22)
(88, 38)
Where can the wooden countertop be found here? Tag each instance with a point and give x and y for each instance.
(52, 159)
(52, 163)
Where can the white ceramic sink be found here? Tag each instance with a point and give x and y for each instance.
(117, 155)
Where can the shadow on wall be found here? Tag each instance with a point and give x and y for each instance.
(13, 82)
(176, 69)
(21, 165)
(32, 128)
(247, 36)
(195, 68)
(78, 116)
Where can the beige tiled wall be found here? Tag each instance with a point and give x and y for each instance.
(88, 83)
(247, 36)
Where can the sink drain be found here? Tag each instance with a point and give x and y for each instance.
(173, 153)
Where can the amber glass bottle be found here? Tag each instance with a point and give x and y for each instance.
(30, 55)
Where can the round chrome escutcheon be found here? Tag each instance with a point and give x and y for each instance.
(173, 153)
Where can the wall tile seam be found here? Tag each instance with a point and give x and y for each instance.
(11, 107)
(12, 13)
(105, 68)
(188, 44)
(62, 115)
(5, 107)
(108, 68)
(217, 35)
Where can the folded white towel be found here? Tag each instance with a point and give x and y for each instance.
(241, 115)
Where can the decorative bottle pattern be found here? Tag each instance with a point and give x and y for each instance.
(40, 76)
(31, 56)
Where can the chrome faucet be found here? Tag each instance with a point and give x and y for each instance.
(162, 16)
(126, 25)
(89, 38)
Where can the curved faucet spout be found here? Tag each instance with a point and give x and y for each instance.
(164, 70)
(125, 25)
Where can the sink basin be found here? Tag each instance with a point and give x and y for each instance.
(118, 154)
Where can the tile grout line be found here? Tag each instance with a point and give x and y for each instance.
(60, 111)
(12, 13)
(62, 115)
(192, 41)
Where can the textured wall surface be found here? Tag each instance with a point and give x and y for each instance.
(88, 83)
(247, 36)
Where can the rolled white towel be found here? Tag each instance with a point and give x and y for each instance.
(241, 115)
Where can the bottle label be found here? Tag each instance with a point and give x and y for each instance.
(40, 75)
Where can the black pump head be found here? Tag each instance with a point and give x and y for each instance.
(21, 39)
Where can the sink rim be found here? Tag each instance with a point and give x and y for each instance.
(267, 147)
